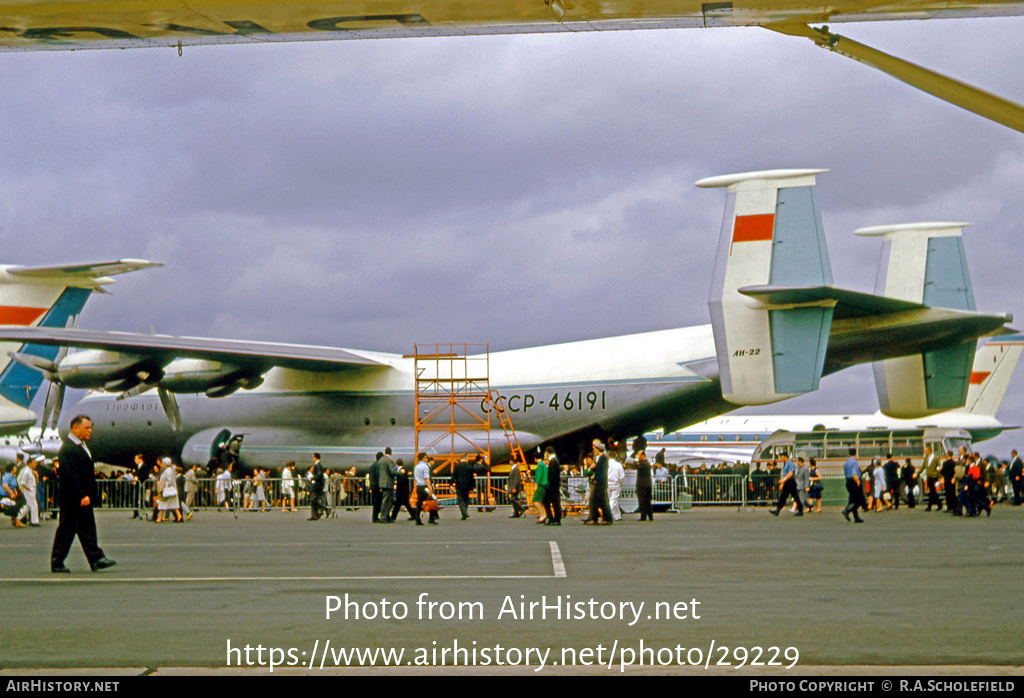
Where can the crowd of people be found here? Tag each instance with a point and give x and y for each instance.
(961, 484)
(22, 496)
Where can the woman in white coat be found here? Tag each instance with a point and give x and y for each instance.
(167, 490)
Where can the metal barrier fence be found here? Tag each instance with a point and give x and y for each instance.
(352, 492)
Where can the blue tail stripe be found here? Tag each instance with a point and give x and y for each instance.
(947, 280)
(799, 253)
(18, 383)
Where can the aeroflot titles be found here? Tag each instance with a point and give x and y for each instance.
(139, 406)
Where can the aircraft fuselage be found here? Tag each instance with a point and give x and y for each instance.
(622, 385)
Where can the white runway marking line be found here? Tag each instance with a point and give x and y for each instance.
(556, 560)
(178, 580)
(556, 563)
(391, 577)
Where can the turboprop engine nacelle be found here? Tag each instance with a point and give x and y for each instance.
(107, 370)
(214, 378)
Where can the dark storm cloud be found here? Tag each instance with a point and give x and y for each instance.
(511, 190)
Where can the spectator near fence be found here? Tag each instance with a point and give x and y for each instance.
(553, 492)
(644, 486)
(317, 491)
(191, 486)
(288, 486)
(402, 491)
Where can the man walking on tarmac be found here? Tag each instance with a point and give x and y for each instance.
(854, 488)
(787, 488)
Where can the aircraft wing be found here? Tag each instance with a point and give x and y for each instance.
(74, 24)
(254, 355)
(68, 24)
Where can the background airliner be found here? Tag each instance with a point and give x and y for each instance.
(43, 296)
(734, 437)
(778, 325)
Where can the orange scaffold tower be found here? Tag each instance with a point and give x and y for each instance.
(454, 404)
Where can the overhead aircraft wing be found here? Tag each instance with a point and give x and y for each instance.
(64, 24)
(256, 355)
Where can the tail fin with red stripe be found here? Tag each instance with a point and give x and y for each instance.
(924, 263)
(994, 365)
(772, 236)
(51, 296)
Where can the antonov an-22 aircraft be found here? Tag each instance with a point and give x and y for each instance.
(75, 24)
(777, 325)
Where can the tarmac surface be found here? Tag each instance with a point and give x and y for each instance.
(723, 592)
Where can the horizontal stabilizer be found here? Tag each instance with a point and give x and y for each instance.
(847, 304)
(79, 275)
(772, 236)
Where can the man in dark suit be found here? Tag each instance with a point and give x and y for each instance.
(892, 482)
(375, 487)
(1017, 478)
(644, 486)
(318, 490)
(514, 487)
(386, 484)
(465, 481)
(77, 496)
(948, 471)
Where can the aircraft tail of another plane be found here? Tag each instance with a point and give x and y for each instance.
(51, 296)
(772, 238)
(924, 263)
(994, 364)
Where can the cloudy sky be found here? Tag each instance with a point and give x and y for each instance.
(513, 190)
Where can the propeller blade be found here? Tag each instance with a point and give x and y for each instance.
(51, 398)
(58, 405)
(170, 404)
